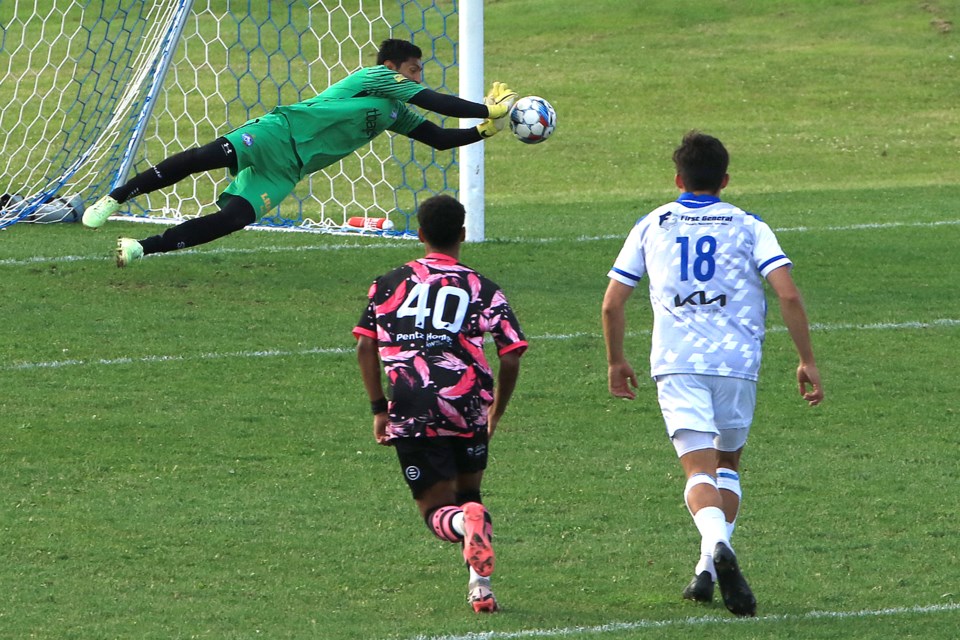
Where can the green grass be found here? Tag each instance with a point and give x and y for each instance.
(186, 450)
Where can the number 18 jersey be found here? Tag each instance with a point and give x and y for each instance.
(429, 318)
(705, 260)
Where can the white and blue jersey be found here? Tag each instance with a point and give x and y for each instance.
(705, 260)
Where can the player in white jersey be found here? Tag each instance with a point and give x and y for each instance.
(706, 261)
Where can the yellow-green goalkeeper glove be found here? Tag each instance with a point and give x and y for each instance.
(499, 101)
(489, 128)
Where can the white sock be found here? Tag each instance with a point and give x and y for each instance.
(729, 480)
(706, 564)
(476, 578)
(713, 529)
(457, 523)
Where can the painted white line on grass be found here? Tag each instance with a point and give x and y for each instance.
(268, 353)
(870, 225)
(405, 244)
(19, 262)
(879, 326)
(616, 627)
(850, 227)
(280, 353)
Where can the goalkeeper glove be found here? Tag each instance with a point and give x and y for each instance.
(489, 128)
(499, 100)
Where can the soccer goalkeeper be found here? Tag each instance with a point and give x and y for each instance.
(269, 155)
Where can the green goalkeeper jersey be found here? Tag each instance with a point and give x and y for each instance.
(350, 113)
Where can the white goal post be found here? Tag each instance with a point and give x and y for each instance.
(92, 92)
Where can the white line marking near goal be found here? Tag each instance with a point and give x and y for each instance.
(18, 262)
(851, 227)
(280, 353)
(616, 627)
(405, 244)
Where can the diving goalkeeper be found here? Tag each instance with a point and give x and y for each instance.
(269, 155)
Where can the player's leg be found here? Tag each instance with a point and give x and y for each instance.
(235, 214)
(438, 508)
(254, 191)
(689, 409)
(685, 402)
(734, 402)
(702, 497)
(728, 481)
(477, 542)
(430, 471)
(716, 553)
(470, 456)
(218, 154)
(471, 459)
(454, 521)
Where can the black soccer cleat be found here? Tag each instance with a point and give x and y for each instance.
(700, 588)
(736, 593)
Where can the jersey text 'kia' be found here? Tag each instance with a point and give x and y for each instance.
(705, 260)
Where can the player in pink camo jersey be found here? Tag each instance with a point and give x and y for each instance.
(426, 321)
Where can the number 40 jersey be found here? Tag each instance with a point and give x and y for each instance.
(705, 260)
(429, 318)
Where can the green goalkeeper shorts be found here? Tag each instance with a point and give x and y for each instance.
(268, 168)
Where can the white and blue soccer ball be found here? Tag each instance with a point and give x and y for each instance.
(532, 119)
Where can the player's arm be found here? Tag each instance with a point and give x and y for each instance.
(795, 318)
(621, 378)
(439, 138)
(496, 104)
(368, 358)
(448, 105)
(507, 375)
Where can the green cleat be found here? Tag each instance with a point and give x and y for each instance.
(97, 214)
(128, 250)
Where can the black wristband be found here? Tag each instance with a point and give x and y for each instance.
(378, 406)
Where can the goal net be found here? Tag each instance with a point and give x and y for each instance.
(94, 91)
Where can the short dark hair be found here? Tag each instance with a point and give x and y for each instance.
(701, 162)
(397, 51)
(441, 220)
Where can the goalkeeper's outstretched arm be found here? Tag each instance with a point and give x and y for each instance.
(442, 139)
(495, 105)
(447, 105)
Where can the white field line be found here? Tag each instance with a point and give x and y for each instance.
(405, 244)
(640, 625)
(281, 353)
(17, 262)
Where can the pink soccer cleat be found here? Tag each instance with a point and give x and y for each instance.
(481, 598)
(477, 538)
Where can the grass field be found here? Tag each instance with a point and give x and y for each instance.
(186, 447)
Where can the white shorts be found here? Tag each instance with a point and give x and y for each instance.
(718, 409)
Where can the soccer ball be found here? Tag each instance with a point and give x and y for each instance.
(532, 119)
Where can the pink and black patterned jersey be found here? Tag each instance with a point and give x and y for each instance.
(429, 318)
